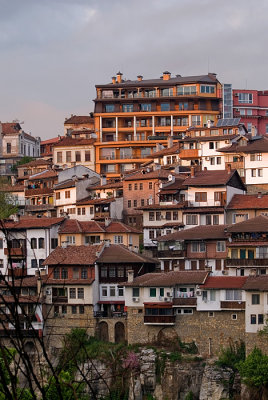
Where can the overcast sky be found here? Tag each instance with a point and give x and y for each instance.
(53, 52)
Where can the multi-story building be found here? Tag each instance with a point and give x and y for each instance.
(132, 116)
(79, 124)
(252, 107)
(243, 207)
(15, 144)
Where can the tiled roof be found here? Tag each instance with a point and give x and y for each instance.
(170, 279)
(79, 119)
(90, 201)
(32, 223)
(69, 142)
(117, 253)
(157, 174)
(201, 232)
(117, 226)
(258, 283)
(30, 281)
(167, 151)
(113, 185)
(218, 138)
(248, 201)
(38, 191)
(224, 282)
(10, 127)
(163, 207)
(160, 82)
(51, 141)
(65, 184)
(73, 282)
(210, 178)
(259, 144)
(36, 163)
(74, 255)
(204, 210)
(257, 224)
(14, 188)
(75, 226)
(177, 184)
(48, 173)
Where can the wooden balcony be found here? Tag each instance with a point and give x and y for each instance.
(39, 207)
(181, 301)
(233, 305)
(59, 299)
(17, 272)
(255, 262)
(160, 319)
(171, 253)
(189, 153)
(15, 252)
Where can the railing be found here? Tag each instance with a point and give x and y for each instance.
(181, 301)
(255, 262)
(17, 272)
(171, 253)
(159, 319)
(59, 299)
(115, 314)
(19, 252)
(39, 207)
(233, 305)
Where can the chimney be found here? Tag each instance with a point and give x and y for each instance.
(113, 80)
(119, 77)
(212, 75)
(107, 222)
(64, 244)
(158, 147)
(209, 123)
(103, 180)
(205, 169)
(259, 195)
(192, 172)
(170, 142)
(130, 276)
(139, 77)
(166, 76)
(229, 168)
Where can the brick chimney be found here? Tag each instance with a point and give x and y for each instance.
(113, 80)
(119, 77)
(166, 76)
(170, 142)
(130, 276)
(192, 172)
(229, 168)
(139, 77)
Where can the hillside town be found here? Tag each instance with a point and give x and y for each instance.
(145, 219)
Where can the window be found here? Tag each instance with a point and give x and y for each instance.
(253, 319)
(64, 309)
(186, 90)
(54, 243)
(77, 156)
(260, 318)
(81, 310)
(255, 299)
(72, 293)
(129, 186)
(211, 145)
(104, 291)
(135, 203)
(151, 234)
(234, 317)
(41, 243)
(175, 215)
(33, 263)
(150, 185)
(158, 215)
(135, 186)
(84, 273)
(80, 293)
(68, 156)
(152, 292)
(165, 107)
(120, 291)
(120, 272)
(70, 239)
(161, 292)
(135, 292)
(207, 88)
(218, 160)
(216, 220)
(249, 127)
(168, 215)
(33, 243)
(112, 291)
(146, 107)
(59, 157)
(67, 194)
(221, 246)
(104, 272)
(127, 107)
(1, 243)
(141, 186)
(196, 120)
(87, 156)
(151, 216)
(253, 172)
(212, 295)
(212, 160)
(260, 172)
(75, 273)
(233, 294)
(1, 263)
(109, 108)
(191, 219)
(74, 309)
(142, 202)
(57, 195)
(200, 197)
(64, 273)
(112, 272)
(245, 98)
(8, 148)
(56, 310)
(78, 211)
(56, 273)
(118, 239)
(208, 219)
(198, 247)
(211, 314)
(129, 203)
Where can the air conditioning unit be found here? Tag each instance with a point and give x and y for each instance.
(227, 141)
(135, 299)
(236, 94)
(198, 292)
(166, 299)
(48, 291)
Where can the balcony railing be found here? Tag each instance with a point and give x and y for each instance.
(171, 253)
(59, 299)
(181, 301)
(102, 314)
(15, 252)
(39, 207)
(233, 305)
(245, 262)
(159, 319)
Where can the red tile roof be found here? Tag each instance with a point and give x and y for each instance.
(256, 283)
(48, 173)
(79, 119)
(32, 223)
(248, 201)
(163, 207)
(224, 282)
(76, 226)
(117, 226)
(157, 174)
(257, 224)
(89, 201)
(259, 144)
(117, 253)
(30, 281)
(201, 232)
(38, 191)
(167, 151)
(68, 141)
(204, 210)
(73, 282)
(14, 188)
(170, 278)
(10, 127)
(74, 255)
(51, 141)
(112, 185)
(210, 178)
(36, 163)
(65, 184)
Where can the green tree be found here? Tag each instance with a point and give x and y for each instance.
(22, 161)
(69, 389)
(7, 205)
(254, 370)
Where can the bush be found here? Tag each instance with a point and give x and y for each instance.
(232, 355)
(254, 369)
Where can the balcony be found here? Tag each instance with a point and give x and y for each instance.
(189, 153)
(233, 305)
(159, 319)
(171, 253)
(181, 301)
(245, 262)
(115, 314)
(59, 299)
(15, 252)
(17, 272)
(39, 207)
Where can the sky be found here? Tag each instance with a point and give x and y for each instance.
(53, 52)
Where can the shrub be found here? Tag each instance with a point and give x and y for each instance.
(254, 369)
(232, 355)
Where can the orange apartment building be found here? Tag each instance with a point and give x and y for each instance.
(132, 116)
